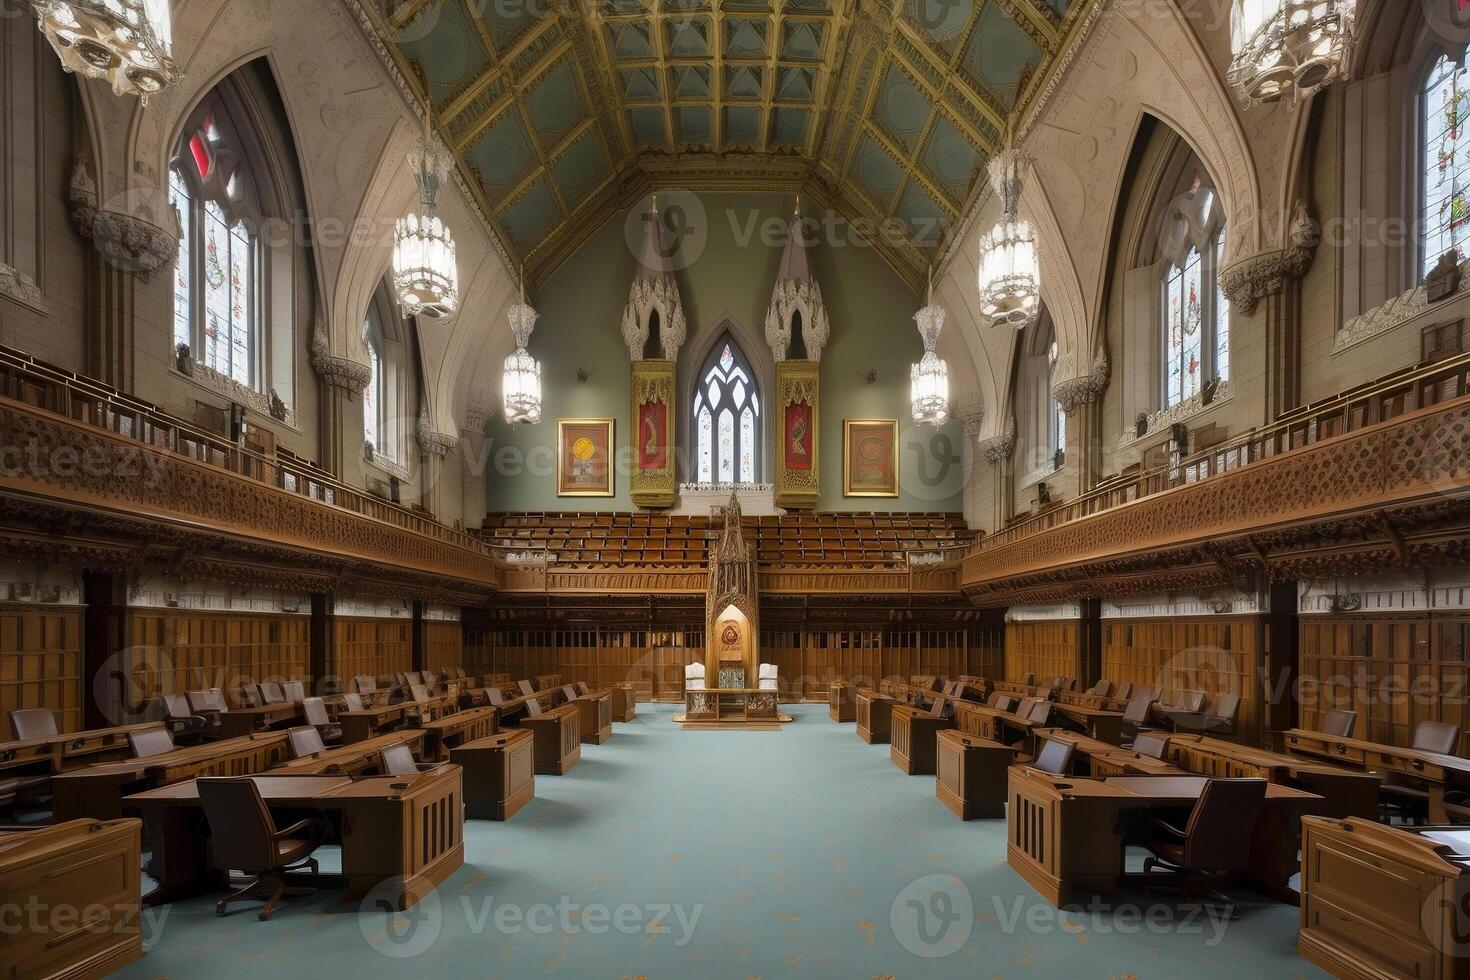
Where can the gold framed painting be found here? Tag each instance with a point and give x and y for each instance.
(870, 457)
(584, 454)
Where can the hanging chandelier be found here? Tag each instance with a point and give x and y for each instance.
(1288, 47)
(128, 43)
(1010, 274)
(929, 379)
(521, 383)
(425, 272)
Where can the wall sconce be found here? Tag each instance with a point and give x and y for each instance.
(872, 376)
(582, 376)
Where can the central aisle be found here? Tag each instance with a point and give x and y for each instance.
(787, 851)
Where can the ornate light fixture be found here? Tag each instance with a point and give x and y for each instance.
(1010, 273)
(425, 270)
(1288, 47)
(521, 384)
(929, 379)
(126, 42)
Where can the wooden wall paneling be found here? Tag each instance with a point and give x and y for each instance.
(985, 650)
(443, 644)
(1046, 648)
(784, 648)
(41, 662)
(180, 650)
(377, 646)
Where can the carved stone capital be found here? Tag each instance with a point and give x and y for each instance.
(132, 240)
(1087, 389)
(477, 414)
(338, 372)
(436, 444)
(1252, 279)
(971, 418)
(998, 449)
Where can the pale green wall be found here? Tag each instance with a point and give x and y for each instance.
(730, 275)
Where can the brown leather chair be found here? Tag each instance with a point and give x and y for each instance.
(1436, 736)
(1136, 715)
(352, 702)
(304, 742)
(413, 677)
(210, 702)
(316, 716)
(1055, 757)
(187, 727)
(1338, 722)
(417, 692)
(583, 688)
(1402, 796)
(150, 742)
(525, 687)
(397, 760)
(1004, 702)
(569, 692)
(250, 695)
(1029, 679)
(365, 683)
(245, 838)
(1101, 688)
(1214, 846)
(1151, 744)
(1124, 692)
(271, 693)
(294, 691)
(31, 723)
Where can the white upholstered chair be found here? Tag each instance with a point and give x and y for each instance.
(768, 678)
(694, 677)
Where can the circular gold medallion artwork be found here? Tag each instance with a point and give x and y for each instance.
(871, 449)
(583, 449)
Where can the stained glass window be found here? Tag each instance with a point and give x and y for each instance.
(727, 416)
(372, 395)
(1222, 316)
(1182, 367)
(184, 267)
(1445, 211)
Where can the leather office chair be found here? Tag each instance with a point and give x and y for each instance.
(417, 692)
(397, 760)
(1436, 736)
(153, 741)
(1101, 688)
(569, 692)
(32, 723)
(186, 726)
(352, 702)
(1338, 722)
(1055, 757)
(694, 677)
(1400, 796)
(413, 677)
(1136, 715)
(1151, 744)
(305, 742)
(245, 838)
(1125, 691)
(271, 693)
(1029, 679)
(365, 684)
(1004, 702)
(1040, 713)
(768, 678)
(526, 687)
(456, 672)
(1216, 843)
(582, 688)
(294, 691)
(315, 710)
(1045, 692)
(250, 696)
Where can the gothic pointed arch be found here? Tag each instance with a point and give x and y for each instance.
(726, 416)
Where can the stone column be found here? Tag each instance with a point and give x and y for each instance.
(475, 461)
(1081, 399)
(997, 452)
(435, 448)
(343, 379)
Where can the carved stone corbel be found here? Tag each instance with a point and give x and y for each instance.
(1252, 279)
(998, 449)
(141, 241)
(1087, 389)
(971, 418)
(436, 444)
(335, 371)
(477, 414)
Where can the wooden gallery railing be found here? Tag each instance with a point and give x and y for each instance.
(73, 440)
(1390, 442)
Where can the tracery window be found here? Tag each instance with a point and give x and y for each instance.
(1196, 336)
(727, 417)
(1445, 190)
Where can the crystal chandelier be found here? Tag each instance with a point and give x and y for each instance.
(1288, 47)
(521, 383)
(126, 42)
(1010, 276)
(425, 273)
(929, 379)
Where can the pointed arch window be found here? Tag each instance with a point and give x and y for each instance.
(726, 416)
(383, 428)
(1195, 347)
(1445, 189)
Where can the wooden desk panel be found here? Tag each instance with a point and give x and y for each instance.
(358, 757)
(624, 702)
(874, 713)
(442, 734)
(360, 725)
(558, 740)
(970, 774)
(595, 716)
(1437, 772)
(1346, 792)
(86, 865)
(499, 773)
(59, 753)
(1103, 724)
(238, 722)
(841, 702)
(408, 830)
(913, 739)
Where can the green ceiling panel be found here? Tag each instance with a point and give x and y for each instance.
(743, 82)
(629, 40)
(691, 82)
(688, 37)
(795, 84)
(998, 54)
(530, 218)
(902, 111)
(502, 154)
(451, 54)
(742, 124)
(951, 159)
(506, 21)
(581, 169)
(745, 37)
(647, 123)
(876, 171)
(924, 218)
(640, 84)
(754, 6)
(694, 124)
(802, 40)
(940, 22)
(788, 126)
(555, 105)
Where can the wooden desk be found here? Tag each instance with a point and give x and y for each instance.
(1382, 901)
(86, 865)
(914, 733)
(243, 721)
(408, 830)
(731, 705)
(1346, 792)
(97, 791)
(874, 713)
(357, 757)
(1093, 757)
(58, 753)
(970, 774)
(1102, 724)
(442, 734)
(1066, 835)
(558, 742)
(624, 701)
(499, 773)
(1083, 699)
(991, 723)
(841, 702)
(1437, 772)
(596, 715)
(364, 724)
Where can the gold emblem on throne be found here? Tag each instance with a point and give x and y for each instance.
(730, 635)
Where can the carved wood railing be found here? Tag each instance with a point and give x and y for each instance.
(1411, 458)
(1354, 410)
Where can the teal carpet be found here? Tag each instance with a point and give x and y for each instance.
(667, 853)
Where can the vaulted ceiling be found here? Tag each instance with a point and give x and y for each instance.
(559, 112)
